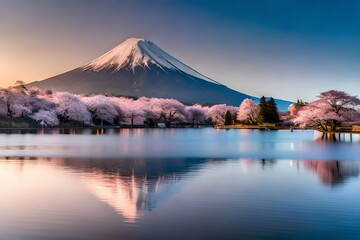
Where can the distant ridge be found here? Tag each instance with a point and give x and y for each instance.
(137, 68)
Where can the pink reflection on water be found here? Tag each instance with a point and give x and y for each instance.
(121, 194)
(332, 172)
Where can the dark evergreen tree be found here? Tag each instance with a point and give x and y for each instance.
(268, 111)
(228, 118)
(262, 111)
(272, 114)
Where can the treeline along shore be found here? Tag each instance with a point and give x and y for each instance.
(36, 108)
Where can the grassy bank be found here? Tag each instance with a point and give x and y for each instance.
(24, 122)
(7, 122)
(348, 129)
(261, 127)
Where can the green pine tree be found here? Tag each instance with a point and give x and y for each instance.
(228, 118)
(268, 111)
(263, 110)
(272, 115)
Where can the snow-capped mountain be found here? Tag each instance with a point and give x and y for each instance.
(137, 68)
(135, 52)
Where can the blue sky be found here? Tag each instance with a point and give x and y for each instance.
(286, 49)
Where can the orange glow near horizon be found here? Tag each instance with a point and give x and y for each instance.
(31, 70)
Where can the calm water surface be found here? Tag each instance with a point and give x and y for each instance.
(178, 184)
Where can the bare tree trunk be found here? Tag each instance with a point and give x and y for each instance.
(323, 127)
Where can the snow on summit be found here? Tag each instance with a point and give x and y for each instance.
(126, 55)
(138, 52)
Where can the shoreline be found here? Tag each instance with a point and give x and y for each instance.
(226, 127)
(261, 127)
(100, 127)
(272, 127)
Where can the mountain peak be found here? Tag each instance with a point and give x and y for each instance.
(138, 68)
(133, 39)
(127, 54)
(138, 52)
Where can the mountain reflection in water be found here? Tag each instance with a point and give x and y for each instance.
(57, 198)
(132, 185)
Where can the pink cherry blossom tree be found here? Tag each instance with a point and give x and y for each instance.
(3, 108)
(248, 111)
(133, 110)
(46, 118)
(151, 112)
(7, 97)
(101, 108)
(39, 103)
(334, 108)
(119, 107)
(70, 107)
(35, 91)
(217, 114)
(196, 114)
(233, 111)
(18, 103)
(167, 110)
(18, 109)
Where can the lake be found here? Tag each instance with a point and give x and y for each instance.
(178, 184)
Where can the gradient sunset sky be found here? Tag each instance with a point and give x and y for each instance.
(281, 48)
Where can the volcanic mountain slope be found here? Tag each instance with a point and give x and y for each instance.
(137, 68)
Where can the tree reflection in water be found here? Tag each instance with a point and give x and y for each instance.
(267, 163)
(336, 137)
(332, 172)
(136, 185)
